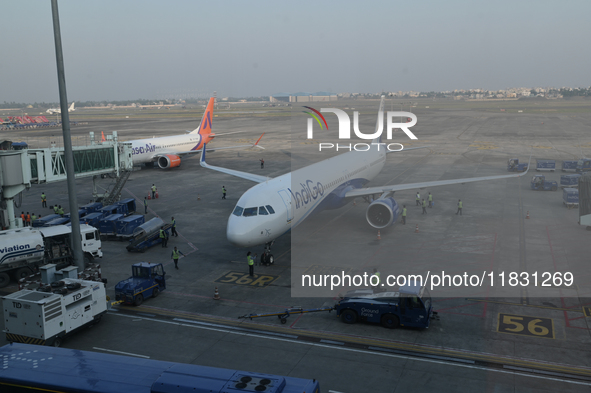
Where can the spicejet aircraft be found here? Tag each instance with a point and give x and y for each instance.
(59, 110)
(168, 150)
(275, 206)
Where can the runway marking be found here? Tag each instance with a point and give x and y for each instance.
(522, 371)
(123, 353)
(241, 278)
(524, 325)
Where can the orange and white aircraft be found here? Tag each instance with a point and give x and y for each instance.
(167, 151)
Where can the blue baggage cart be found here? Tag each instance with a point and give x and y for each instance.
(545, 165)
(571, 181)
(107, 224)
(40, 222)
(57, 221)
(127, 206)
(92, 207)
(125, 226)
(570, 197)
(93, 219)
(569, 166)
(112, 209)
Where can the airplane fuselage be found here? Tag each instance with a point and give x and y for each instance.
(144, 150)
(296, 195)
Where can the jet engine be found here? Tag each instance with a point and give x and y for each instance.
(169, 161)
(382, 213)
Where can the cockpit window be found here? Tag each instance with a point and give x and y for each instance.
(262, 211)
(238, 211)
(270, 209)
(250, 211)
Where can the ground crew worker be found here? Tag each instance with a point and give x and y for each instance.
(404, 215)
(223, 192)
(175, 257)
(163, 237)
(43, 200)
(60, 211)
(55, 209)
(153, 191)
(24, 219)
(28, 219)
(250, 261)
(33, 218)
(173, 233)
(430, 200)
(418, 199)
(460, 205)
(145, 205)
(262, 163)
(424, 206)
(377, 274)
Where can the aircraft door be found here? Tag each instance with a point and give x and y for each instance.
(286, 197)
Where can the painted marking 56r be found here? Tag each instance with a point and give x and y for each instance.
(241, 278)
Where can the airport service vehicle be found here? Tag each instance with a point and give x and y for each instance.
(52, 312)
(571, 181)
(276, 206)
(584, 164)
(30, 368)
(569, 166)
(410, 306)
(147, 279)
(42, 222)
(513, 165)
(570, 197)
(545, 165)
(23, 250)
(539, 183)
(147, 235)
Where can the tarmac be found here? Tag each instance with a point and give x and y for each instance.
(509, 339)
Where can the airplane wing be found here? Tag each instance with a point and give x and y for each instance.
(414, 186)
(183, 153)
(243, 175)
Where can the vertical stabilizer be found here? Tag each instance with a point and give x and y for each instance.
(205, 125)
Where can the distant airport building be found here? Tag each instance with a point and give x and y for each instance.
(303, 97)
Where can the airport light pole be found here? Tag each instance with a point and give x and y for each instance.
(61, 79)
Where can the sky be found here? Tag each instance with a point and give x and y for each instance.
(125, 50)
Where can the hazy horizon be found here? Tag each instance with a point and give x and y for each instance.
(129, 50)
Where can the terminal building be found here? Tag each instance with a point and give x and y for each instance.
(303, 97)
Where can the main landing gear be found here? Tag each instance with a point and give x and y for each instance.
(266, 256)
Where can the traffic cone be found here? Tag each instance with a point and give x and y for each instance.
(216, 295)
(527, 216)
(149, 196)
(156, 194)
(417, 229)
(379, 237)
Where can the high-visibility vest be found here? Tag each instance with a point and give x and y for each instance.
(404, 212)
(174, 223)
(33, 217)
(418, 196)
(460, 204)
(175, 254)
(224, 190)
(60, 211)
(55, 209)
(377, 274)
(430, 198)
(250, 260)
(42, 197)
(145, 202)
(162, 234)
(23, 217)
(424, 203)
(28, 218)
(153, 188)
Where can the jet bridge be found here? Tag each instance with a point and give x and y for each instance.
(21, 168)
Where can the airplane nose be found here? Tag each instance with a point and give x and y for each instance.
(237, 233)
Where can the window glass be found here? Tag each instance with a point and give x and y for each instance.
(262, 211)
(90, 236)
(238, 211)
(270, 209)
(250, 211)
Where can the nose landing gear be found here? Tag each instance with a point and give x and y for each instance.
(266, 257)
